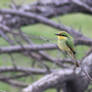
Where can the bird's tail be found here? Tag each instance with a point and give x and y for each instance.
(76, 63)
(75, 60)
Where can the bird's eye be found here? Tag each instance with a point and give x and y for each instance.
(63, 35)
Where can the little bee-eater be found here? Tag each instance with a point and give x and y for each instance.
(65, 43)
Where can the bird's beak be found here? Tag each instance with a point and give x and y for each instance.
(57, 34)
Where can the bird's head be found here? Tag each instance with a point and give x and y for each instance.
(62, 35)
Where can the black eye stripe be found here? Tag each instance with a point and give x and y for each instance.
(59, 35)
(63, 35)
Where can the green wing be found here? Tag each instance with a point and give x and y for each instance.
(70, 44)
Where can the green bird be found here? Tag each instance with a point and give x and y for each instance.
(66, 44)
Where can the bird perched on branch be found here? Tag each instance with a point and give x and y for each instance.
(65, 43)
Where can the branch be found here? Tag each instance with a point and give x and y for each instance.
(78, 81)
(30, 47)
(76, 34)
(22, 69)
(41, 19)
(48, 81)
(82, 4)
(46, 8)
(15, 83)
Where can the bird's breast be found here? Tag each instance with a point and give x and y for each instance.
(62, 45)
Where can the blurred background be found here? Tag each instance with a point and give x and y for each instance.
(39, 34)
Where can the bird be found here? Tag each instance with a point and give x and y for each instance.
(66, 44)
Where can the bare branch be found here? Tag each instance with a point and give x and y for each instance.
(15, 83)
(18, 48)
(81, 39)
(23, 69)
(63, 76)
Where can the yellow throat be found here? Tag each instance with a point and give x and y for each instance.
(62, 37)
